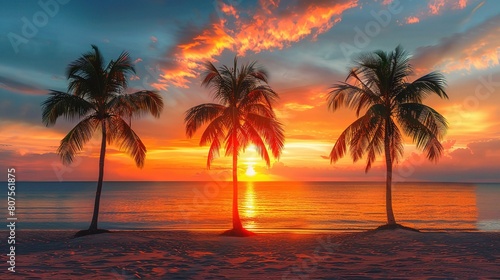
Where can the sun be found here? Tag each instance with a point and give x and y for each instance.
(250, 171)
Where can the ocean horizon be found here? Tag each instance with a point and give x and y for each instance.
(264, 206)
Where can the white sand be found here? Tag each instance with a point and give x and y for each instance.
(205, 255)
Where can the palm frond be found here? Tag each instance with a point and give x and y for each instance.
(231, 141)
(379, 83)
(242, 138)
(256, 139)
(87, 75)
(259, 74)
(63, 104)
(270, 130)
(97, 93)
(244, 115)
(432, 83)
(340, 147)
(137, 104)
(116, 79)
(363, 136)
(197, 116)
(214, 151)
(368, 133)
(214, 130)
(88, 64)
(396, 141)
(259, 109)
(351, 96)
(375, 140)
(401, 67)
(262, 94)
(425, 125)
(74, 141)
(127, 140)
(219, 82)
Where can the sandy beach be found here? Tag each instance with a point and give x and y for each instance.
(206, 255)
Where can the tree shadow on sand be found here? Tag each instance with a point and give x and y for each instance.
(394, 227)
(238, 233)
(86, 232)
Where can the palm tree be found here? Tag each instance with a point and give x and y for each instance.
(97, 95)
(242, 116)
(379, 83)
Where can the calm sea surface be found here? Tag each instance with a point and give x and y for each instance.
(264, 206)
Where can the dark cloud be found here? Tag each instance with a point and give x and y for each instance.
(31, 167)
(20, 87)
(479, 161)
(477, 47)
(20, 107)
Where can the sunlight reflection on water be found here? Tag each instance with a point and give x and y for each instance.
(264, 206)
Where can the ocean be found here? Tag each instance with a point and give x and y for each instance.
(264, 206)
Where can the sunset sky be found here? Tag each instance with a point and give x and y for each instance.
(305, 45)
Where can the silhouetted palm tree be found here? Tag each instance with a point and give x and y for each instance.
(97, 95)
(243, 115)
(379, 83)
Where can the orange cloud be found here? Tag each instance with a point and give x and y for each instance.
(41, 140)
(250, 31)
(188, 56)
(436, 6)
(229, 10)
(412, 20)
(298, 107)
(268, 31)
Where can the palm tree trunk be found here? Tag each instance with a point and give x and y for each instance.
(388, 184)
(236, 215)
(93, 225)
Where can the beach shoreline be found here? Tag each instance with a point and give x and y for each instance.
(207, 255)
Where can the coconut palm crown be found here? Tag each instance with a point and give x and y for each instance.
(97, 96)
(379, 85)
(243, 115)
